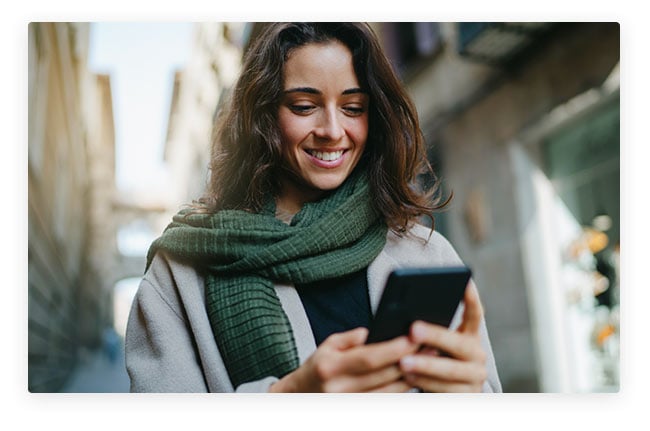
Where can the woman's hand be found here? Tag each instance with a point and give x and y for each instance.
(343, 363)
(462, 367)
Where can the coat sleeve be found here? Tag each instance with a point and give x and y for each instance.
(160, 356)
(492, 383)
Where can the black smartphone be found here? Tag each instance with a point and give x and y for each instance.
(429, 294)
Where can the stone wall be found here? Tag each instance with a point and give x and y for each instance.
(70, 188)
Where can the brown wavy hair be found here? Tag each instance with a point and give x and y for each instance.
(247, 149)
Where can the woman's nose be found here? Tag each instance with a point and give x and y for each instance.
(329, 126)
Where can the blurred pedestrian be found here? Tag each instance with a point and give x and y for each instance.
(269, 281)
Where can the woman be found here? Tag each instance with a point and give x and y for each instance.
(270, 281)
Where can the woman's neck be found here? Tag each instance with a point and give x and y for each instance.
(291, 199)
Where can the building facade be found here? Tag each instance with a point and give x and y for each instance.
(71, 187)
(199, 89)
(522, 124)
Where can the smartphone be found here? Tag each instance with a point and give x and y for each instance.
(429, 294)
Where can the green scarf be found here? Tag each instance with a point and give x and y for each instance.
(242, 254)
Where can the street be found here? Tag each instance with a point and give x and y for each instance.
(97, 373)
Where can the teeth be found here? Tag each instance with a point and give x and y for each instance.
(326, 156)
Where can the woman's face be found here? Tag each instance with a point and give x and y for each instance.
(323, 119)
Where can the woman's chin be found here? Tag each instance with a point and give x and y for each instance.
(327, 184)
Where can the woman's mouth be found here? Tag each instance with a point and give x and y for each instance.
(326, 159)
(327, 156)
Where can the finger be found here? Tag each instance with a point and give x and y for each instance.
(457, 344)
(347, 339)
(473, 313)
(431, 351)
(365, 382)
(433, 385)
(446, 369)
(372, 357)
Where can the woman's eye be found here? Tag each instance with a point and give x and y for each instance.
(301, 109)
(354, 110)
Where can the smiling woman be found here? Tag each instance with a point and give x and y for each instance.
(249, 153)
(270, 281)
(323, 121)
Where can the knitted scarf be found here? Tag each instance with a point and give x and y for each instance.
(242, 254)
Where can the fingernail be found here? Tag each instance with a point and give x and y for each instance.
(418, 330)
(407, 363)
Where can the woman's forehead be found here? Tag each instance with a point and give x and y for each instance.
(320, 64)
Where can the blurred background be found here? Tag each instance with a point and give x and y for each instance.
(522, 122)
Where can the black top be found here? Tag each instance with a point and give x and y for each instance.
(336, 304)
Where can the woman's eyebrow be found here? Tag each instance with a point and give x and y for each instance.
(311, 90)
(308, 90)
(354, 91)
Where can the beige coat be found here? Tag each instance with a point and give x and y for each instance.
(169, 342)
